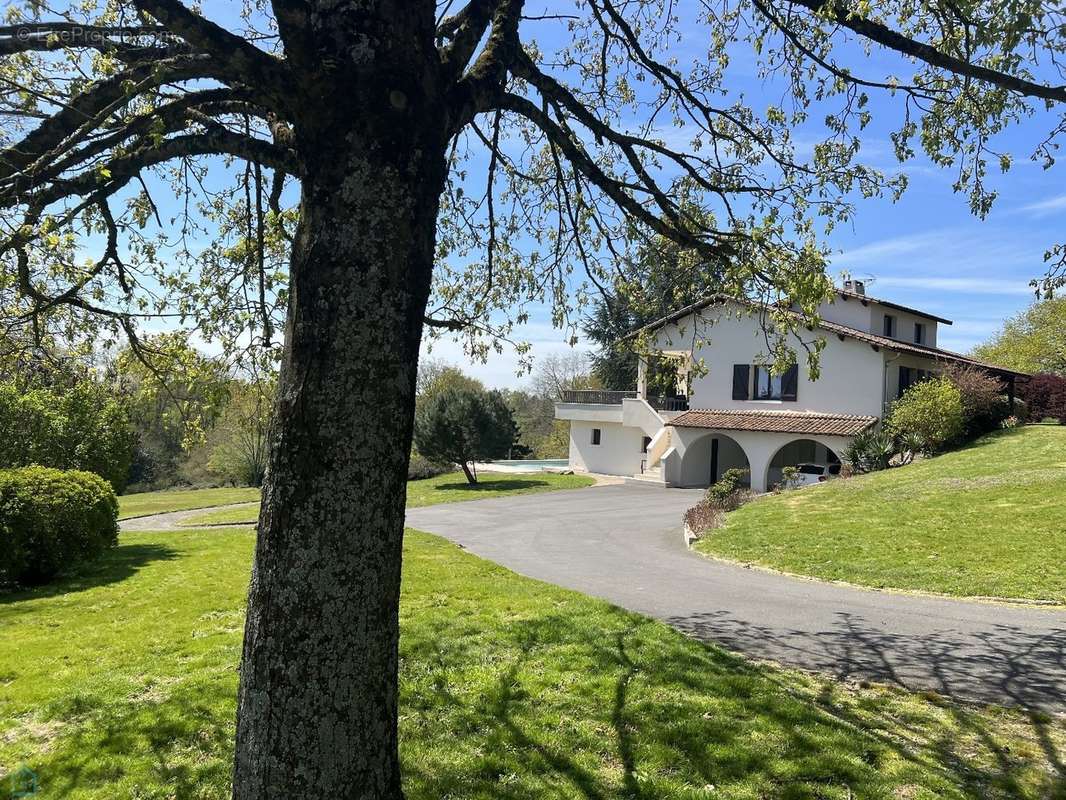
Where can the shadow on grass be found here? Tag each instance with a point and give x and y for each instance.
(560, 706)
(113, 566)
(491, 486)
(179, 746)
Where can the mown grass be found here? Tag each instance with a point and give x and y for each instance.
(145, 503)
(987, 520)
(449, 488)
(123, 685)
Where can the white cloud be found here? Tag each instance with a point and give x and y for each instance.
(892, 248)
(970, 251)
(1043, 208)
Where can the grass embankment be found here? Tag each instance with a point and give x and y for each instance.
(988, 520)
(144, 503)
(449, 488)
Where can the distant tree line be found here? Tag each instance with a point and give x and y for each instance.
(194, 422)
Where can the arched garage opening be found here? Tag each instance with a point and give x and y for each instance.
(798, 451)
(708, 457)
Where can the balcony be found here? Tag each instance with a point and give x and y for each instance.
(603, 397)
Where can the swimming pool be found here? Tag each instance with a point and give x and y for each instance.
(533, 465)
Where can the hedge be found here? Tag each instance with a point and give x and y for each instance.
(51, 521)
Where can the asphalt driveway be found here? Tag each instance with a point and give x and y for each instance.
(623, 543)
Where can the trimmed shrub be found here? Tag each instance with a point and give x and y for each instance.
(931, 410)
(419, 468)
(729, 493)
(51, 521)
(1045, 396)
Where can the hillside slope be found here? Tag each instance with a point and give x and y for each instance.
(988, 520)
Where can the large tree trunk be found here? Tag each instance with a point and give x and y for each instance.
(318, 694)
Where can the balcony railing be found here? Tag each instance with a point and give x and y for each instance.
(604, 397)
(674, 402)
(599, 397)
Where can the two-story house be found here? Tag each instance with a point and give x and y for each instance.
(730, 410)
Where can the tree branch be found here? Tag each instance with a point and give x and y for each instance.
(100, 96)
(464, 30)
(238, 58)
(581, 161)
(882, 34)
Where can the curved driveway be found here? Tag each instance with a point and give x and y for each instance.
(623, 543)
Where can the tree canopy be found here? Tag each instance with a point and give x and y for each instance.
(461, 425)
(573, 138)
(1032, 341)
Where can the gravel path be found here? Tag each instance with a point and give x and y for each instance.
(177, 520)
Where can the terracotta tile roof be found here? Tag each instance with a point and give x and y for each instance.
(773, 421)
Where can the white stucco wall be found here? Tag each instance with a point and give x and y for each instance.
(850, 312)
(618, 452)
(696, 458)
(851, 371)
(871, 317)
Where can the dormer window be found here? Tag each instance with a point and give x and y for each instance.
(919, 333)
(890, 326)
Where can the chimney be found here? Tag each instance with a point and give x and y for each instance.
(855, 287)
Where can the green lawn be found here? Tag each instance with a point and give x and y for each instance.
(144, 503)
(988, 520)
(449, 488)
(123, 685)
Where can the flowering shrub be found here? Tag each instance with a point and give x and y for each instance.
(983, 403)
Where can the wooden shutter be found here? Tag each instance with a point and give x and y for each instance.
(790, 383)
(741, 381)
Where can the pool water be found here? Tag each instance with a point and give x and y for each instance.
(534, 464)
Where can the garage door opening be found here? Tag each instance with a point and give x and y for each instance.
(797, 452)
